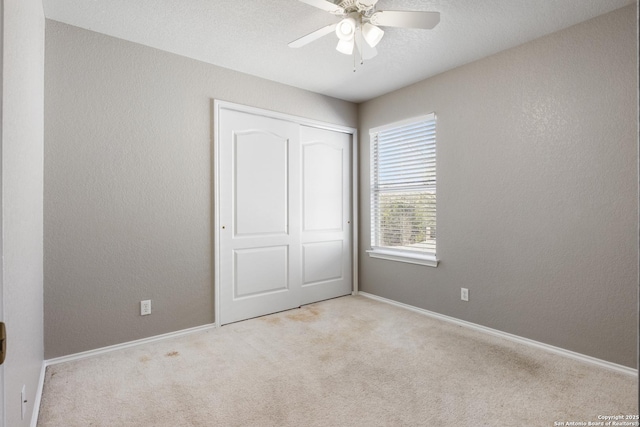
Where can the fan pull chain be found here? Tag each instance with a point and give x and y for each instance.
(359, 52)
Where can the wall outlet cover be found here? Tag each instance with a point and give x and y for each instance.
(145, 307)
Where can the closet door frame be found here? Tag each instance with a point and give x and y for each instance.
(220, 105)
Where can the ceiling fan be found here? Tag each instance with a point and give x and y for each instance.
(361, 21)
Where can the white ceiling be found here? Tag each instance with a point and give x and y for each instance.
(251, 36)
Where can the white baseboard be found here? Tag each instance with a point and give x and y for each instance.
(103, 350)
(557, 350)
(38, 398)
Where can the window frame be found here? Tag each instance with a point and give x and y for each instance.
(419, 257)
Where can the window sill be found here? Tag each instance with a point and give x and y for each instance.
(411, 258)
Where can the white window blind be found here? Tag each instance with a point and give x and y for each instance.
(403, 191)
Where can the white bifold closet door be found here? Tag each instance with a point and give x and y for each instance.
(284, 215)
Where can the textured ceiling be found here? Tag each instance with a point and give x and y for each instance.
(251, 36)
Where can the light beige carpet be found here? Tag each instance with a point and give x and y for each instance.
(350, 361)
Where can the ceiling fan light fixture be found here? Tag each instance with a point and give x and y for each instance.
(359, 29)
(345, 46)
(372, 34)
(346, 29)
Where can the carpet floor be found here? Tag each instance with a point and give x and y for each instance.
(350, 361)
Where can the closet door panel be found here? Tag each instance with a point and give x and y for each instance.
(259, 216)
(326, 207)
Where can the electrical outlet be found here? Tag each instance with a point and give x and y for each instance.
(464, 294)
(145, 307)
(23, 402)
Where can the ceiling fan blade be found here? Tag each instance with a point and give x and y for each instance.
(313, 36)
(406, 19)
(325, 5)
(365, 50)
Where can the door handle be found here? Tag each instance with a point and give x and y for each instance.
(3, 342)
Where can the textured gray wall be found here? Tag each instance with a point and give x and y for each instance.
(22, 211)
(128, 184)
(537, 190)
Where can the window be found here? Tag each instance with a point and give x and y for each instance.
(403, 191)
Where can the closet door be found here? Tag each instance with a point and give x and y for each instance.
(259, 219)
(326, 214)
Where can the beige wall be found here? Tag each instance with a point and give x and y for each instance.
(537, 190)
(22, 211)
(128, 184)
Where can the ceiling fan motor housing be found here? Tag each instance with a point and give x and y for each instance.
(357, 6)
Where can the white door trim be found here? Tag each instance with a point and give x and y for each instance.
(219, 105)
